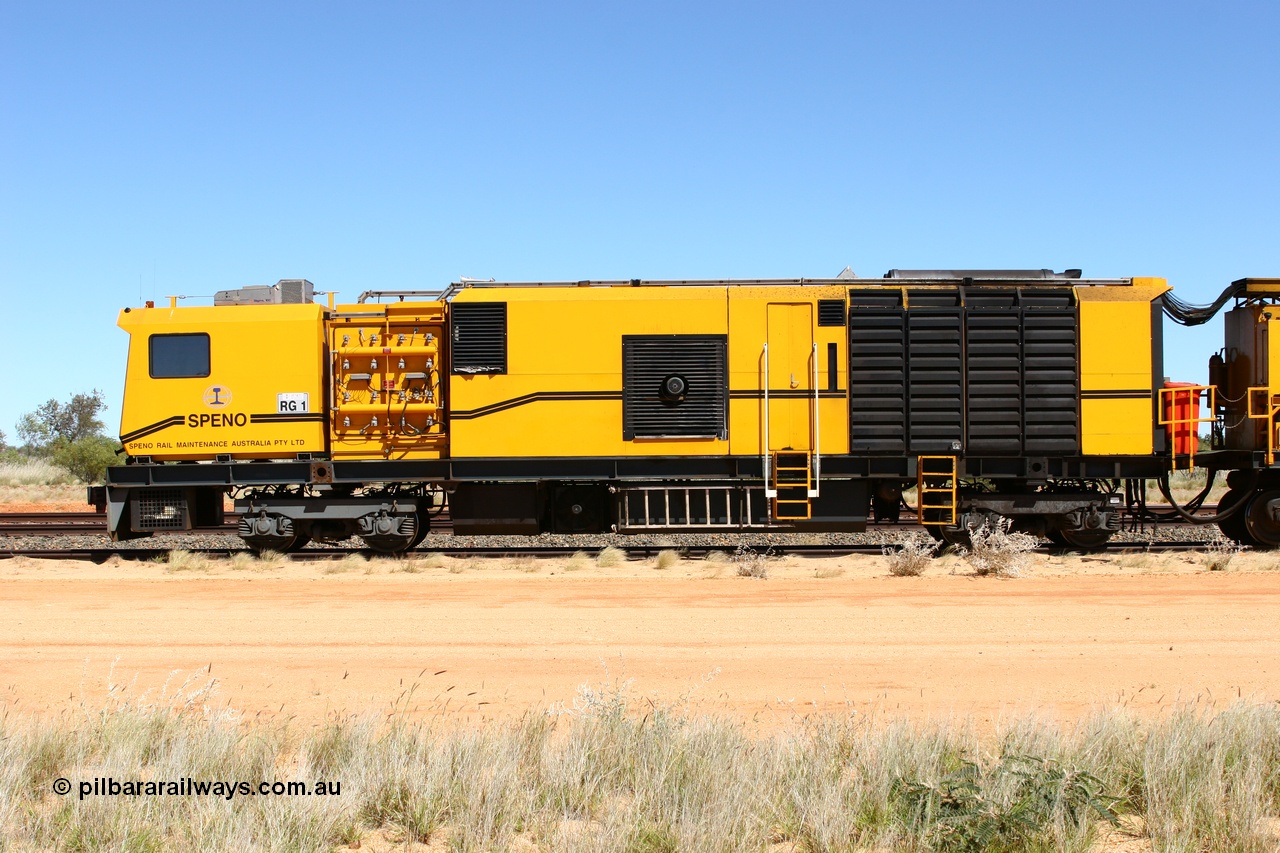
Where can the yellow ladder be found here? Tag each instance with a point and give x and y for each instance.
(792, 482)
(936, 504)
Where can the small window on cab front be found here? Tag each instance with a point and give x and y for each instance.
(183, 356)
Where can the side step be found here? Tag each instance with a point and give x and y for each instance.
(936, 489)
(793, 482)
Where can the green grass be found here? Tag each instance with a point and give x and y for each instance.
(613, 775)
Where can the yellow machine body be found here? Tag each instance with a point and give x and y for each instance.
(242, 382)
(1120, 345)
(562, 391)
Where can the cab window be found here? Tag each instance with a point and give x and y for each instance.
(179, 356)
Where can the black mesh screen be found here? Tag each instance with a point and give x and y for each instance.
(649, 364)
(479, 337)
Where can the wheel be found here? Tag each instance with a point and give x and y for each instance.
(388, 544)
(1258, 520)
(394, 534)
(260, 545)
(1234, 527)
(1080, 540)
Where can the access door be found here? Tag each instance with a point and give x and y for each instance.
(790, 377)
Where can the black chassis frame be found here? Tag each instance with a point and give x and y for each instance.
(126, 481)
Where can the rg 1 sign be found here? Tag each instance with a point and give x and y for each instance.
(293, 403)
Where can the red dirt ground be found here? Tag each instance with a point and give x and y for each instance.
(493, 638)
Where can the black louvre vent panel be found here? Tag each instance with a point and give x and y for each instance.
(478, 337)
(675, 386)
(1021, 353)
(993, 331)
(935, 376)
(996, 377)
(830, 312)
(877, 372)
(1050, 355)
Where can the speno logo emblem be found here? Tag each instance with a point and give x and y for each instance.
(217, 396)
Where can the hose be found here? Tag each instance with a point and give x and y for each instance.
(1163, 483)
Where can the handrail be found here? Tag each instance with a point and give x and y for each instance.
(1269, 416)
(769, 491)
(1193, 393)
(817, 433)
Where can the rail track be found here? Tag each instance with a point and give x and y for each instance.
(642, 552)
(74, 524)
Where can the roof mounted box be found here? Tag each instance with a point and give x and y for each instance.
(286, 291)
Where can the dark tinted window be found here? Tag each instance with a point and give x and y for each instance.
(179, 356)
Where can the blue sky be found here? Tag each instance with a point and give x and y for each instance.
(181, 148)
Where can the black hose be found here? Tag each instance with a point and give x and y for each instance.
(1163, 483)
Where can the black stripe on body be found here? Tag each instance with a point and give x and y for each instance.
(143, 432)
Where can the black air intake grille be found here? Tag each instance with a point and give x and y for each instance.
(877, 372)
(935, 376)
(993, 329)
(701, 361)
(830, 312)
(479, 337)
(1050, 355)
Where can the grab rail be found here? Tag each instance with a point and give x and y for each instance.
(817, 431)
(769, 492)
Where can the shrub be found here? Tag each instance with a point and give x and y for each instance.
(86, 458)
(993, 550)
(752, 563)
(1021, 803)
(1219, 554)
(910, 556)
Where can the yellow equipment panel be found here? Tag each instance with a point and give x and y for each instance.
(1117, 384)
(560, 391)
(385, 364)
(244, 382)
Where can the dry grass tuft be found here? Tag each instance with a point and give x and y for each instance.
(1134, 560)
(351, 562)
(911, 555)
(1217, 555)
(526, 564)
(577, 562)
(456, 566)
(719, 558)
(667, 559)
(36, 472)
(996, 552)
(184, 561)
(613, 773)
(751, 563)
(828, 572)
(611, 557)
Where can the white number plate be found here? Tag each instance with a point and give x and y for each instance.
(292, 403)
